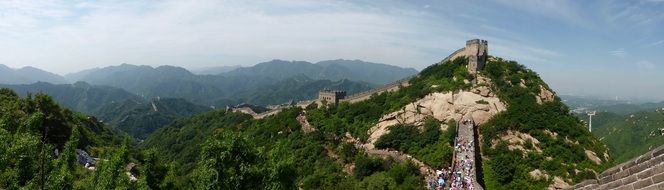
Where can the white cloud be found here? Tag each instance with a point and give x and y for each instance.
(619, 53)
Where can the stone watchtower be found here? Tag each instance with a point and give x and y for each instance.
(477, 52)
(331, 96)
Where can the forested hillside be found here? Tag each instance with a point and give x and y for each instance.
(33, 128)
(79, 96)
(629, 135)
(140, 118)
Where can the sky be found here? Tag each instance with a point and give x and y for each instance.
(608, 48)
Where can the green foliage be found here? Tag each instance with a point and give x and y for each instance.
(229, 162)
(432, 145)
(152, 171)
(365, 166)
(509, 169)
(111, 173)
(62, 176)
(139, 119)
(630, 135)
(31, 129)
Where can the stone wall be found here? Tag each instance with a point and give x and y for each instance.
(393, 86)
(643, 172)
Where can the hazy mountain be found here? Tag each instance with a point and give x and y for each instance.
(581, 104)
(79, 96)
(354, 70)
(217, 90)
(214, 70)
(76, 76)
(28, 75)
(299, 88)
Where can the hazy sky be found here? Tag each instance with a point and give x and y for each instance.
(608, 48)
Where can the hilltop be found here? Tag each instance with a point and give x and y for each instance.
(28, 75)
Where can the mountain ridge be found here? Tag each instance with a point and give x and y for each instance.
(27, 75)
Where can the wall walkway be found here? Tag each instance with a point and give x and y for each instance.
(643, 172)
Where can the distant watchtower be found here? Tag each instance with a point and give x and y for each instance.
(331, 96)
(477, 52)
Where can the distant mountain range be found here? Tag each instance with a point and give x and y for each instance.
(79, 96)
(27, 75)
(581, 104)
(140, 99)
(270, 82)
(214, 70)
(339, 69)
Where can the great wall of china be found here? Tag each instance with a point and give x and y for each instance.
(475, 49)
(643, 172)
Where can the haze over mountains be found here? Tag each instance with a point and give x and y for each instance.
(139, 99)
(220, 85)
(27, 75)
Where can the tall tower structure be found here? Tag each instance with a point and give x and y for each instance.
(477, 52)
(590, 120)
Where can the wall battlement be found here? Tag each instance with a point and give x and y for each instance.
(643, 172)
(331, 96)
(477, 52)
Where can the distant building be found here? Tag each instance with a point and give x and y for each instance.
(331, 96)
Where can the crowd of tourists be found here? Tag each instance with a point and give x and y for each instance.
(460, 175)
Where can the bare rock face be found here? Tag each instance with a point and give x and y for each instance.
(559, 183)
(593, 156)
(517, 141)
(545, 95)
(538, 174)
(480, 103)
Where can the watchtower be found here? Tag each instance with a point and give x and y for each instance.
(477, 52)
(331, 96)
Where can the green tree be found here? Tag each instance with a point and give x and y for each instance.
(228, 162)
(62, 176)
(111, 173)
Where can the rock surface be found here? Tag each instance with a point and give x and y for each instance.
(479, 103)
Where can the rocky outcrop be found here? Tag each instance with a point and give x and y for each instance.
(558, 183)
(545, 95)
(593, 156)
(517, 141)
(479, 103)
